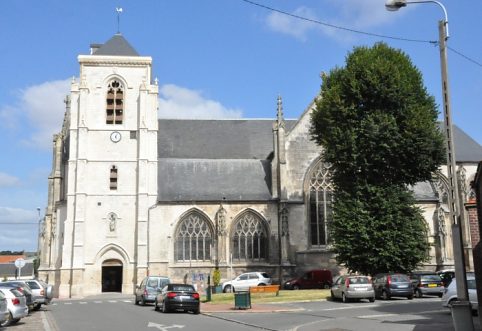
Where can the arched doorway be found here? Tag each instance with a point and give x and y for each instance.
(112, 276)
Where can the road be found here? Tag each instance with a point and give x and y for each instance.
(119, 313)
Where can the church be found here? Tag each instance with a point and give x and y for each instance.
(132, 195)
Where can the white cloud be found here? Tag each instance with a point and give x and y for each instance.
(350, 14)
(289, 25)
(182, 103)
(42, 107)
(17, 215)
(7, 180)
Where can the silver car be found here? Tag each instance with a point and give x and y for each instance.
(450, 293)
(3, 308)
(244, 281)
(353, 287)
(42, 292)
(16, 304)
(147, 291)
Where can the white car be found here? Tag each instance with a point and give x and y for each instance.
(3, 308)
(16, 304)
(450, 293)
(244, 281)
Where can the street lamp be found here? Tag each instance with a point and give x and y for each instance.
(38, 233)
(461, 311)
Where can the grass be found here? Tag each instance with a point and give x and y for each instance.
(284, 296)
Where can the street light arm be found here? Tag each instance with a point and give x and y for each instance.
(393, 5)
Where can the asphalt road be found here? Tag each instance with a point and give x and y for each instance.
(120, 313)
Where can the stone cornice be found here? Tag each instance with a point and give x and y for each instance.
(126, 61)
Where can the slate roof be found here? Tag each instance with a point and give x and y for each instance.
(208, 160)
(118, 46)
(9, 270)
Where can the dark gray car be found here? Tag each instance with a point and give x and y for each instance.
(146, 292)
(389, 285)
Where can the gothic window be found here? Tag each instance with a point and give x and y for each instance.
(113, 178)
(193, 240)
(250, 239)
(114, 103)
(320, 204)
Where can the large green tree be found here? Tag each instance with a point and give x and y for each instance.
(378, 128)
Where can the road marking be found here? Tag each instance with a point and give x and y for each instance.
(67, 303)
(113, 301)
(97, 301)
(128, 301)
(83, 303)
(164, 328)
(376, 316)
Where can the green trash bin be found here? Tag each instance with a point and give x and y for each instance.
(242, 300)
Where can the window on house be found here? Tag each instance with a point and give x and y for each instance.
(113, 178)
(115, 103)
(193, 241)
(250, 239)
(320, 204)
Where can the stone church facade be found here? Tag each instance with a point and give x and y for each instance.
(132, 195)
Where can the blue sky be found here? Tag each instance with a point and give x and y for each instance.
(213, 59)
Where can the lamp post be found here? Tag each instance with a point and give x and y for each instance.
(461, 311)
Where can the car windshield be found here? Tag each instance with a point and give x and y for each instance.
(152, 283)
(358, 280)
(182, 288)
(400, 278)
(430, 278)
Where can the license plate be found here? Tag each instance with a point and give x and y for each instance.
(360, 288)
(402, 286)
(185, 297)
(432, 285)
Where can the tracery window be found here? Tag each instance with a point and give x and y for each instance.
(193, 241)
(113, 178)
(114, 103)
(250, 239)
(320, 204)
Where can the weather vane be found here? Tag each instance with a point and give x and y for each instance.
(119, 11)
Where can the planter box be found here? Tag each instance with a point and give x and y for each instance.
(216, 289)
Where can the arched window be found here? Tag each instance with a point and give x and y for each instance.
(193, 239)
(113, 178)
(320, 203)
(114, 103)
(250, 239)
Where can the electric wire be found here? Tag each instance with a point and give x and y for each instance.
(359, 31)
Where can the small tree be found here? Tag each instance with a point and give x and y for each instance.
(378, 127)
(216, 277)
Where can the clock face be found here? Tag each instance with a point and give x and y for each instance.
(115, 136)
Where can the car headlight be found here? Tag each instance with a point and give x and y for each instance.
(287, 283)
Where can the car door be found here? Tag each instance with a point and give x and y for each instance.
(253, 279)
(241, 283)
(336, 288)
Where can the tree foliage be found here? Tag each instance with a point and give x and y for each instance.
(378, 127)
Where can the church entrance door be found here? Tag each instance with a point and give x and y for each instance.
(112, 276)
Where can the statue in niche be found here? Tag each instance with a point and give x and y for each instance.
(221, 221)
(442, 233)
(112, 222)
(284, 222)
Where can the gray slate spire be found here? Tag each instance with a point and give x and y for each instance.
(118, 46)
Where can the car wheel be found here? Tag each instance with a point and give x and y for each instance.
(372, 299)
(8, 321)
(296, 287)
(196, 311)
(450, 303)
(228, 289)
(261, 284)
(143, 302)
(156, 307)
(14, 321)
(418, 294)
(440, 295)
(344, 298)
(37, 306)
(385, 295)
(136, 302)
(164, 308)
(410, 297)
(326, 286)
(332, 296)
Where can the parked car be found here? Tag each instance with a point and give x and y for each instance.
(177, 297)
(450, 293)
(426, 283)
(446, 276)
(24, 289)
(147, 291)
(318, 278)
(351, 287)
(43, 293)
(3, 308)
(16, 304)
(244, 281)
(387, 285)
